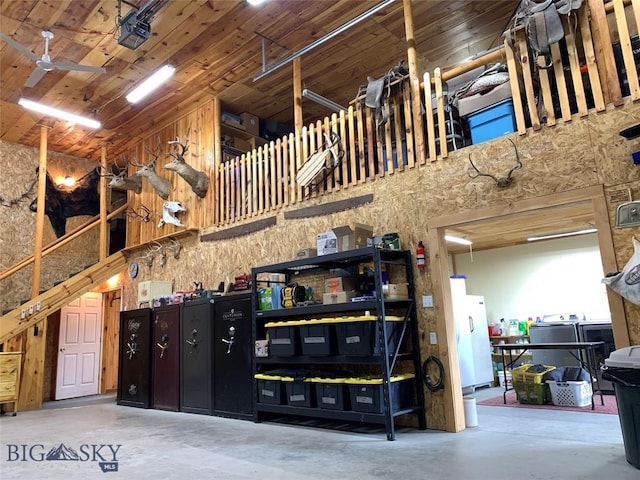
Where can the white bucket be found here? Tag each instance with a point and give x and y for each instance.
(501, 378)
(470, 412)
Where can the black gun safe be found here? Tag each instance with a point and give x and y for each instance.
(232, 357)
(196, 357)
(134, 372)
(165, 359)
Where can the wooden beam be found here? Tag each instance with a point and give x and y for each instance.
(451, 395)
(609, 264)
(511, 208)
(329, 208)
(56, 297)
(40, 200)
(104, 197)
(604, 52)
(414, 80)
(298, 117)
(240, 230)
(32, 381)
(214, 216)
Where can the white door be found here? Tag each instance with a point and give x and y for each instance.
(79, 347)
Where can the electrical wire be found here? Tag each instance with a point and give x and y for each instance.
(439, 383)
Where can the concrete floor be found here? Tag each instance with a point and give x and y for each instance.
(509, 443)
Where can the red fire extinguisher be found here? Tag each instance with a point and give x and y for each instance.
(420, 259)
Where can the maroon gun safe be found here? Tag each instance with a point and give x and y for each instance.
(196, 357)
(165, 359)
(134, 372)
(232, 357)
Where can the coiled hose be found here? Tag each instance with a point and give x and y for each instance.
(439, 383)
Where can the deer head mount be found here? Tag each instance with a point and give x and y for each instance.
(198, 181)
(120, 180)
(501, 182)
(161, 185)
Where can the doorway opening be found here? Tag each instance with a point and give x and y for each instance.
(508, 225)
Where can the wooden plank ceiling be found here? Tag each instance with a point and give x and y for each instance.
(216, 47)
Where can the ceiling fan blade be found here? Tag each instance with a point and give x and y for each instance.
(18, 46)
(35, 77)
(76, 66)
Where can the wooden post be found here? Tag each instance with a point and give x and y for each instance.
(42, 187)
(217, 162)
(446, 331)
(604, 53)
(297, 95)
(414, 79)
(104, 197)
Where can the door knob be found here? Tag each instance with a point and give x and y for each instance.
(63, 349)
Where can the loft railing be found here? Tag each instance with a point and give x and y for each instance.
(582, 78)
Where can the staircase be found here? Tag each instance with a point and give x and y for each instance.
(11, 324)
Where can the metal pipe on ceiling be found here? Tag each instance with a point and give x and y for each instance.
(267, 70)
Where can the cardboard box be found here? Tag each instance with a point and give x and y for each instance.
(305, 253)
(340, 284)
(479, 101)
(251, 123)
(395, 290)
(147, 291)
(343, 238)
(337, 297)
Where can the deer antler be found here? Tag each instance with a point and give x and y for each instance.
(183, 148)
(175, 247)
(503, 181)
(145, 217)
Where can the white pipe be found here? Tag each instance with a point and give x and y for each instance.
(320, 41)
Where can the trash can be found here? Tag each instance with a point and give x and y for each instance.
(622, 368)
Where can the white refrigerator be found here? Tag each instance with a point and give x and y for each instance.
(472, 336)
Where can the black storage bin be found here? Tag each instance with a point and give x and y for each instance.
(270, 389)
(299, 392)
(316, 337)
(359, 336)
(622, 368)
(283, 339)
(366, 395)
(331, 393)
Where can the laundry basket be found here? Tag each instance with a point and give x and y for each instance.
(570, 394)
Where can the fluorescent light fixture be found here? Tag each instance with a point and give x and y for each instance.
(150, 84)
(565, 234)
(461, 241)
(325, 102)
(57, 113)
(255, 2)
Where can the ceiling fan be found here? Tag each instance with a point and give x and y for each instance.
(44, 63)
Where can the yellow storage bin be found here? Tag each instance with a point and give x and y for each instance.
(366, 394)
(359, 336)
(522, 374)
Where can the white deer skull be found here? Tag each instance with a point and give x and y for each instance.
(169, 209)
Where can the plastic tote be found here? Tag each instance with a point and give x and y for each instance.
(622, 368)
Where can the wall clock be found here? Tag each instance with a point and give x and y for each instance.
(133, 269)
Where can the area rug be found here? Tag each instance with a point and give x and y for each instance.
(609, 406)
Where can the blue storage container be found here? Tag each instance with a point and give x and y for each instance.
(492, 122)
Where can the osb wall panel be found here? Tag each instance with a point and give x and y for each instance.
(582, 153)
(18, 164)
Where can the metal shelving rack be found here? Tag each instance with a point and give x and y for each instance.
(387, 360)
